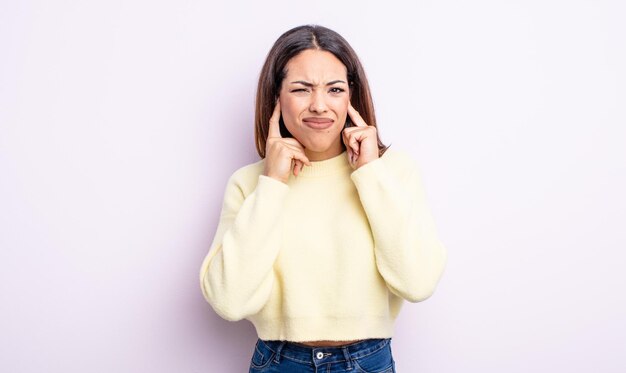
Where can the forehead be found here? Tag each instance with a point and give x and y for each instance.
(316, 66)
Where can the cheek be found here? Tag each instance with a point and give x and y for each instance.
(341, 107)
(289, 105)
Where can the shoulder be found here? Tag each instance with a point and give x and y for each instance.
(401, 161)
(395, 155)
(246, 177)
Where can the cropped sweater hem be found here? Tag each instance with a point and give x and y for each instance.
(318, 328)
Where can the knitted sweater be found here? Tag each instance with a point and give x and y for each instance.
(329, 255)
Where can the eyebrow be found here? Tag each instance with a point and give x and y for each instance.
(305, 83)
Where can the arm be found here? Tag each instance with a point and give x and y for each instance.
(237, 276)
(409, 255)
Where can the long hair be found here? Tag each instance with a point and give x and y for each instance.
(287, 46)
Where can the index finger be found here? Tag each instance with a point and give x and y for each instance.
(356, 117)
(274, 130)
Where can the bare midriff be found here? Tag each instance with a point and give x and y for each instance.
(327, 343)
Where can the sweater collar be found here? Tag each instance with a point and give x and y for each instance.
(336, 164)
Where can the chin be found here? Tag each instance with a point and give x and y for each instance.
(320, 143)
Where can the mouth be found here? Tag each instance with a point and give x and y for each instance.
(318, 123)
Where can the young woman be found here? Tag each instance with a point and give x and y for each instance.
(320, 242)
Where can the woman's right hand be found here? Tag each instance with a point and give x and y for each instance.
(282, 154)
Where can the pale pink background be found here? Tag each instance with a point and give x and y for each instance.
(120, 122)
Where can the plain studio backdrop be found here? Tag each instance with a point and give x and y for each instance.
(120, 122)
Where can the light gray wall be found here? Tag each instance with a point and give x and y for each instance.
(120, 122)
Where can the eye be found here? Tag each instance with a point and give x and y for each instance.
(337, 90)
(299, 90)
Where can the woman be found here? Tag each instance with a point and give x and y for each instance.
(321, 241)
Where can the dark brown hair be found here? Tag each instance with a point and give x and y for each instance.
(288, 46)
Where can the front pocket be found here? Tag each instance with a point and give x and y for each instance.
(379, 361)
(262, 356)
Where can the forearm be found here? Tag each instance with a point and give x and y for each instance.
(409, 255)
(237, 274)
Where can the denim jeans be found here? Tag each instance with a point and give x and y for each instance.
(368, 356)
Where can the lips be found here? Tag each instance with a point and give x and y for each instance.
(318, 123)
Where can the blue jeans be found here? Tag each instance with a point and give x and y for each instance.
(368, 356)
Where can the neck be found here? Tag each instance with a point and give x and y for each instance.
(338, 164)
(323, 155)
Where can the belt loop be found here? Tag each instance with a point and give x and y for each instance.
(278, 349)
(346, 354)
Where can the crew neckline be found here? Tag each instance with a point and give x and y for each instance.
(336, 164)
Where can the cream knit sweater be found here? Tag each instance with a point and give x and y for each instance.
(330, 255)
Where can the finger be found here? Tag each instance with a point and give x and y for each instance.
(293, 148)
(293, 142)
(274, 130)
(297, 167)
(349, 149)
(355, 116)
(300, 156)
(351, 140)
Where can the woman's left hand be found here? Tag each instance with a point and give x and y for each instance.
(361, 141)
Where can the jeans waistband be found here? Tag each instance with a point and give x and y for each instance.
(315, 355)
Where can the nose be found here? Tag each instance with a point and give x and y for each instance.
(318, 103)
